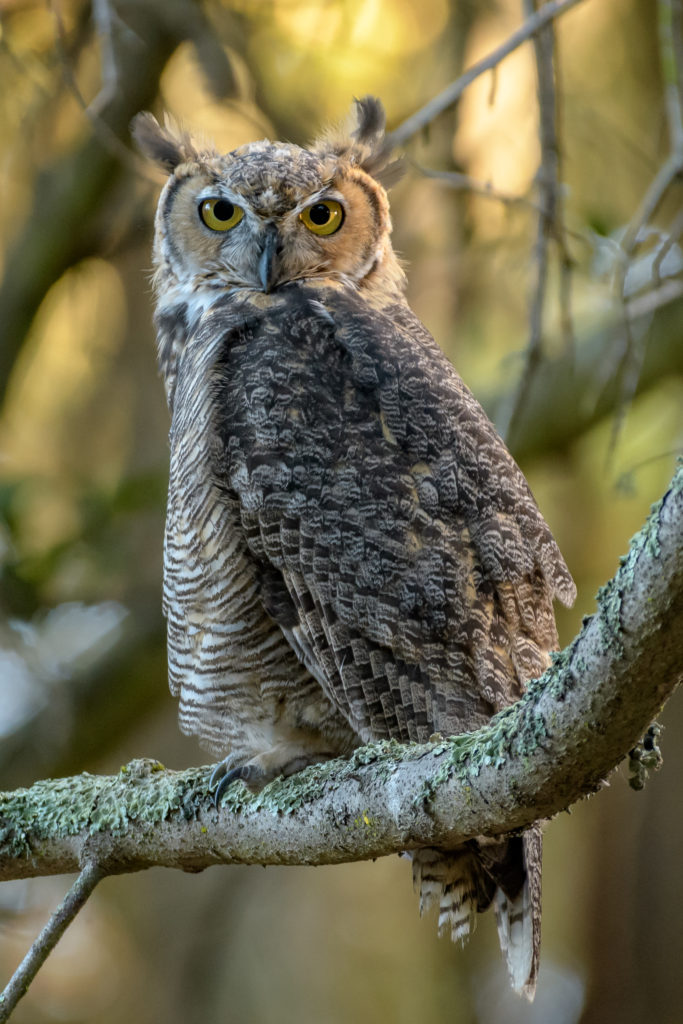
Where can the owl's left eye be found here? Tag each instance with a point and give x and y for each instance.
(220, 214)
(324, 217)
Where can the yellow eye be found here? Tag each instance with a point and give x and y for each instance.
(220, 214)
(324, 217)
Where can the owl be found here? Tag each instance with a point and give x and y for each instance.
(351, 553)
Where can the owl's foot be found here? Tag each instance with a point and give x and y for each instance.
(283, 760)
(223, 776)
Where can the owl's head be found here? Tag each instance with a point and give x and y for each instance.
(270, 213)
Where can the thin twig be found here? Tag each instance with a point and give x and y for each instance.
(93, 111)
(650, 302)
(547, 178)
(675, 232)
(464, 183)
(628, 358)
(624, 482)
(452, 93)
(102, 16)
(74, 900)
(671, 59)
(650, 203)
(561, 232)
(550, 222)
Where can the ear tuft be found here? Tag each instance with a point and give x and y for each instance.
(370, 120)
(167, 146)
(369, 134)
(361, 142)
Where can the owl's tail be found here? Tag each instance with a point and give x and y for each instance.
(502, 872)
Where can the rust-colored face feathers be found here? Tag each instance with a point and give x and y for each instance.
(271, 213)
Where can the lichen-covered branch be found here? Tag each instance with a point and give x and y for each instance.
(563, 402)
(533, 760)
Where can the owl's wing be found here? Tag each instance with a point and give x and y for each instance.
(414, 574)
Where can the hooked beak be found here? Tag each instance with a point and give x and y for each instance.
(267, 264)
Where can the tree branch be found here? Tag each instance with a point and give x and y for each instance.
(569, 395)
(74, 187)
(626, 359)
(75, 900)
(452, 93)
(534, 759)
(550, 223)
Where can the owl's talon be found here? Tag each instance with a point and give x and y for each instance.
(216, 775)
(223, 784)
(222, 778)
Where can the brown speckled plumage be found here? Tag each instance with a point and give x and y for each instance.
(351, 553)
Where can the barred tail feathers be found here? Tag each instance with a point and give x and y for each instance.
(451, 879)
(519, 919)
(468, 880)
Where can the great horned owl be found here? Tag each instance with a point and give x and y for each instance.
(351, 553)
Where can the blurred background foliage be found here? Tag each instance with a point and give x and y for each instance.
(84, 461)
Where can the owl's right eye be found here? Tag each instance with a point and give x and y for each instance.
(220, 214)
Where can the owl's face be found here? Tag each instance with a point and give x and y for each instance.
(268, 214)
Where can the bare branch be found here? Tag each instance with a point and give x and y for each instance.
(104, 18)
(93, 111)
(627, 357)
(452, 93)
(74, 900)
(675, 232)
(569, 393)
(550, 223)
(463, 182)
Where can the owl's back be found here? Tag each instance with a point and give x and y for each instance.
(419, 571)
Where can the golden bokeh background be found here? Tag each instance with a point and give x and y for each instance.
(83, 462)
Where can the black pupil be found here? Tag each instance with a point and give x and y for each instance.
(320, 214)
(223, 210)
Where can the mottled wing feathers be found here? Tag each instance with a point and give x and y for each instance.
(419, 571)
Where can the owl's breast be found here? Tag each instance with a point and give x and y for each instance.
(223, 646)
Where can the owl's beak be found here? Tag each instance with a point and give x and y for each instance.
(267, 264)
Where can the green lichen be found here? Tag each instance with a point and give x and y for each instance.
(142, 791)
(284, 796)
(515, 732)
(609, 597)
(14, 844)
(364, 822)
(565, 667)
